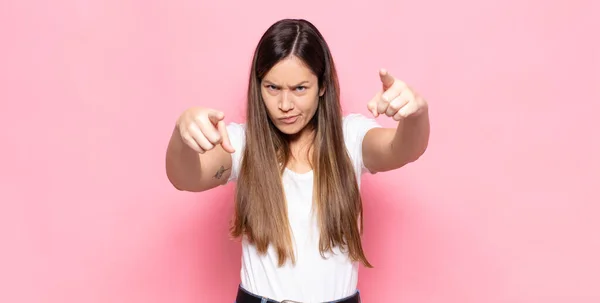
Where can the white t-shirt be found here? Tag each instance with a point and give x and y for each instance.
(312, 279)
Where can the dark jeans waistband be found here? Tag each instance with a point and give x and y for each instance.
(244, 296)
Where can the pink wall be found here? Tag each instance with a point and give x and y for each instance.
(502, 208)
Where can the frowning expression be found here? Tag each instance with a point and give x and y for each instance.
(291, 93)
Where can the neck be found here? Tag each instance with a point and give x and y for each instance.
(301, 144)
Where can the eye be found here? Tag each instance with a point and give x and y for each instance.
(272, 87)
(300, 88)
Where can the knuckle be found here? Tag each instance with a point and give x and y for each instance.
(400, 84)
(215, 139)
(207, 146)
(199, 120)
(394, 106)
(185, 136)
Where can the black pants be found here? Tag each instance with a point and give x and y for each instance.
(244, 296)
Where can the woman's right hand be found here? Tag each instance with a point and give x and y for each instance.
(203, 128)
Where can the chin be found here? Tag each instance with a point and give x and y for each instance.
(289, 129)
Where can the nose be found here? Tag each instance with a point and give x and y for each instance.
(286, 102)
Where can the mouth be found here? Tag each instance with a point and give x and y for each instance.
(289, 119)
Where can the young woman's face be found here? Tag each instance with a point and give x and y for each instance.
(291, 93)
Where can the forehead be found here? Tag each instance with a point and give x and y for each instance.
(289, 71)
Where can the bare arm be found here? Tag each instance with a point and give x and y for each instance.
(198, 156)
(386, 149)
(189, 170)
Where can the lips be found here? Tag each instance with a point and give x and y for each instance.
(289, 119)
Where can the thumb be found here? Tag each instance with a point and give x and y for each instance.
(225, 143)
(386, 79)
(215, 116)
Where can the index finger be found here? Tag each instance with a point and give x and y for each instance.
(386, 79)
(225, 143)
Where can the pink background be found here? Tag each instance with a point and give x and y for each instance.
(503, 207)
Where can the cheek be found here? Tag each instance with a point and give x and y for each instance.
(309, 103)
(270, 102)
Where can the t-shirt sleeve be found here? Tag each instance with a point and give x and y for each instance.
(237, 137)
(355, 128)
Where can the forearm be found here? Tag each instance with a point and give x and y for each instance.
(412, 137)
(182, 164)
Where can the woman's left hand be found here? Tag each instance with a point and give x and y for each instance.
(396, 99)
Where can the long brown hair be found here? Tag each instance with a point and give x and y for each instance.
(260, 205)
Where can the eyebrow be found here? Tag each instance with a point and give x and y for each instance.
(299, 84)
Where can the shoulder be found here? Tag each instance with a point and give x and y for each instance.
(356, 125)
(236, 129)
(237, 136)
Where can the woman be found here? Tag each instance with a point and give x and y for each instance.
(297, 162)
